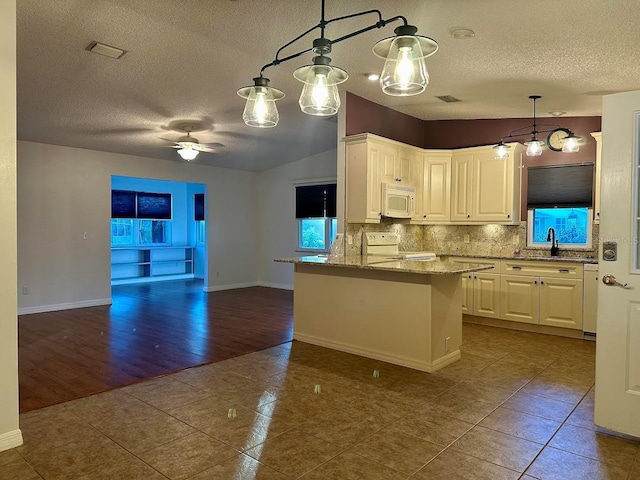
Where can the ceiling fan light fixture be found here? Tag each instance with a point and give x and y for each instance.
(188, 151)
(260, 109)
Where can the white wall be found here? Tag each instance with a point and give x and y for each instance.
(9, 432)
(64, 192)
(277, 207)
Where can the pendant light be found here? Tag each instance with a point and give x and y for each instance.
(260, 110)
(320, 95)
(568, 143)
(404, 72)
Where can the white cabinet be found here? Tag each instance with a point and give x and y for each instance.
(140, 264)
(398, 164)
(480, 290)
(544, 293)
(370, 162)
(363, 185)
(433, 197)
(596, 193)
(485, 189)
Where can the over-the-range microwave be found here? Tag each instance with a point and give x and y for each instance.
(398, 201)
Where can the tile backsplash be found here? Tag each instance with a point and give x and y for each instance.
(484, 240)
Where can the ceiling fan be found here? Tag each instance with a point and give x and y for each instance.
(189, 147)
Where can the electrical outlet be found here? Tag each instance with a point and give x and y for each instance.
(25, 290)
(515, 240)
(85, 236)
(350, 239)
(446, 344)
(466, 238)
(217, 274)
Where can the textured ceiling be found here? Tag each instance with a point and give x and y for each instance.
(186, 59)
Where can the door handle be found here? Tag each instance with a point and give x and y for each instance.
(611, 281)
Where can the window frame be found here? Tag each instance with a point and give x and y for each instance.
(531, 245)
(136, 223)
(328, 230)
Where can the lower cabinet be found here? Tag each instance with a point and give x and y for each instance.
(535, 292)
(556, 302)
(481, 291)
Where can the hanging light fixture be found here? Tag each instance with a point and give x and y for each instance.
(558, 138)
(404, 72)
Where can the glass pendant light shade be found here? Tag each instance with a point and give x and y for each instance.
(571, 143)
(534, 148)
(260, 110)
(320, 95)
(502, 151)
(405, 70)
(188, 152)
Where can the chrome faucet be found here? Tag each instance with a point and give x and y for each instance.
(551, 237)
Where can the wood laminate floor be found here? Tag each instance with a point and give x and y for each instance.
(150, 329)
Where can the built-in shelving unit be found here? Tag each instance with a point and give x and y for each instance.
(143, 264)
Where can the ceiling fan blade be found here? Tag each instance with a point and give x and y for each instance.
(213, 145)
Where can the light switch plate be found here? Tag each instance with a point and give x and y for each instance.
(466, 238)
(515, 240)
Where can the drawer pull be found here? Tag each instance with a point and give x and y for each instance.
(515, 267)
(563, 270)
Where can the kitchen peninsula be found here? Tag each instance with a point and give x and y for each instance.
(404, 312)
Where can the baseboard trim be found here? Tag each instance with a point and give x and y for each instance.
(525, 327)
(281, 286)
(378, 355)
(218, 288)
(10, 440)
(65, 306)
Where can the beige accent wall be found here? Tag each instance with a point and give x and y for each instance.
(9, 432)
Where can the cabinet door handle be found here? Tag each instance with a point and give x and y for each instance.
(468, 216)
(563, 270)
(424, 216)
(516, 267)
(508, 216)
(541, 282)
(535, 282)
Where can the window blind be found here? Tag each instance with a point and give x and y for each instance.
(316, 201)
(130, 204)
(123, 204)
(198, 206)
(560, 186)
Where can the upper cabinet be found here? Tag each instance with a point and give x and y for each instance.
(596, 193)
(433, 196)
(467, 185)
(485, 189)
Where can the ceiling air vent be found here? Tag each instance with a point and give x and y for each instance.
(106, 50)
(449, 99)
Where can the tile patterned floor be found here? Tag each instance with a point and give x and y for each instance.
(516, 406)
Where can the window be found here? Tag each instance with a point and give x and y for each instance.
(317, 233)
(198, 217)
(201, 236)
(147, 232)
(560, 197)
(316, 212)
(572, 226)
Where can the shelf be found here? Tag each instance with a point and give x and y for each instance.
(139, 264)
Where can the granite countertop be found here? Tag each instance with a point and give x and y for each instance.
(389, 264)
(541, 258)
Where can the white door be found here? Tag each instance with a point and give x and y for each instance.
(618, 337)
